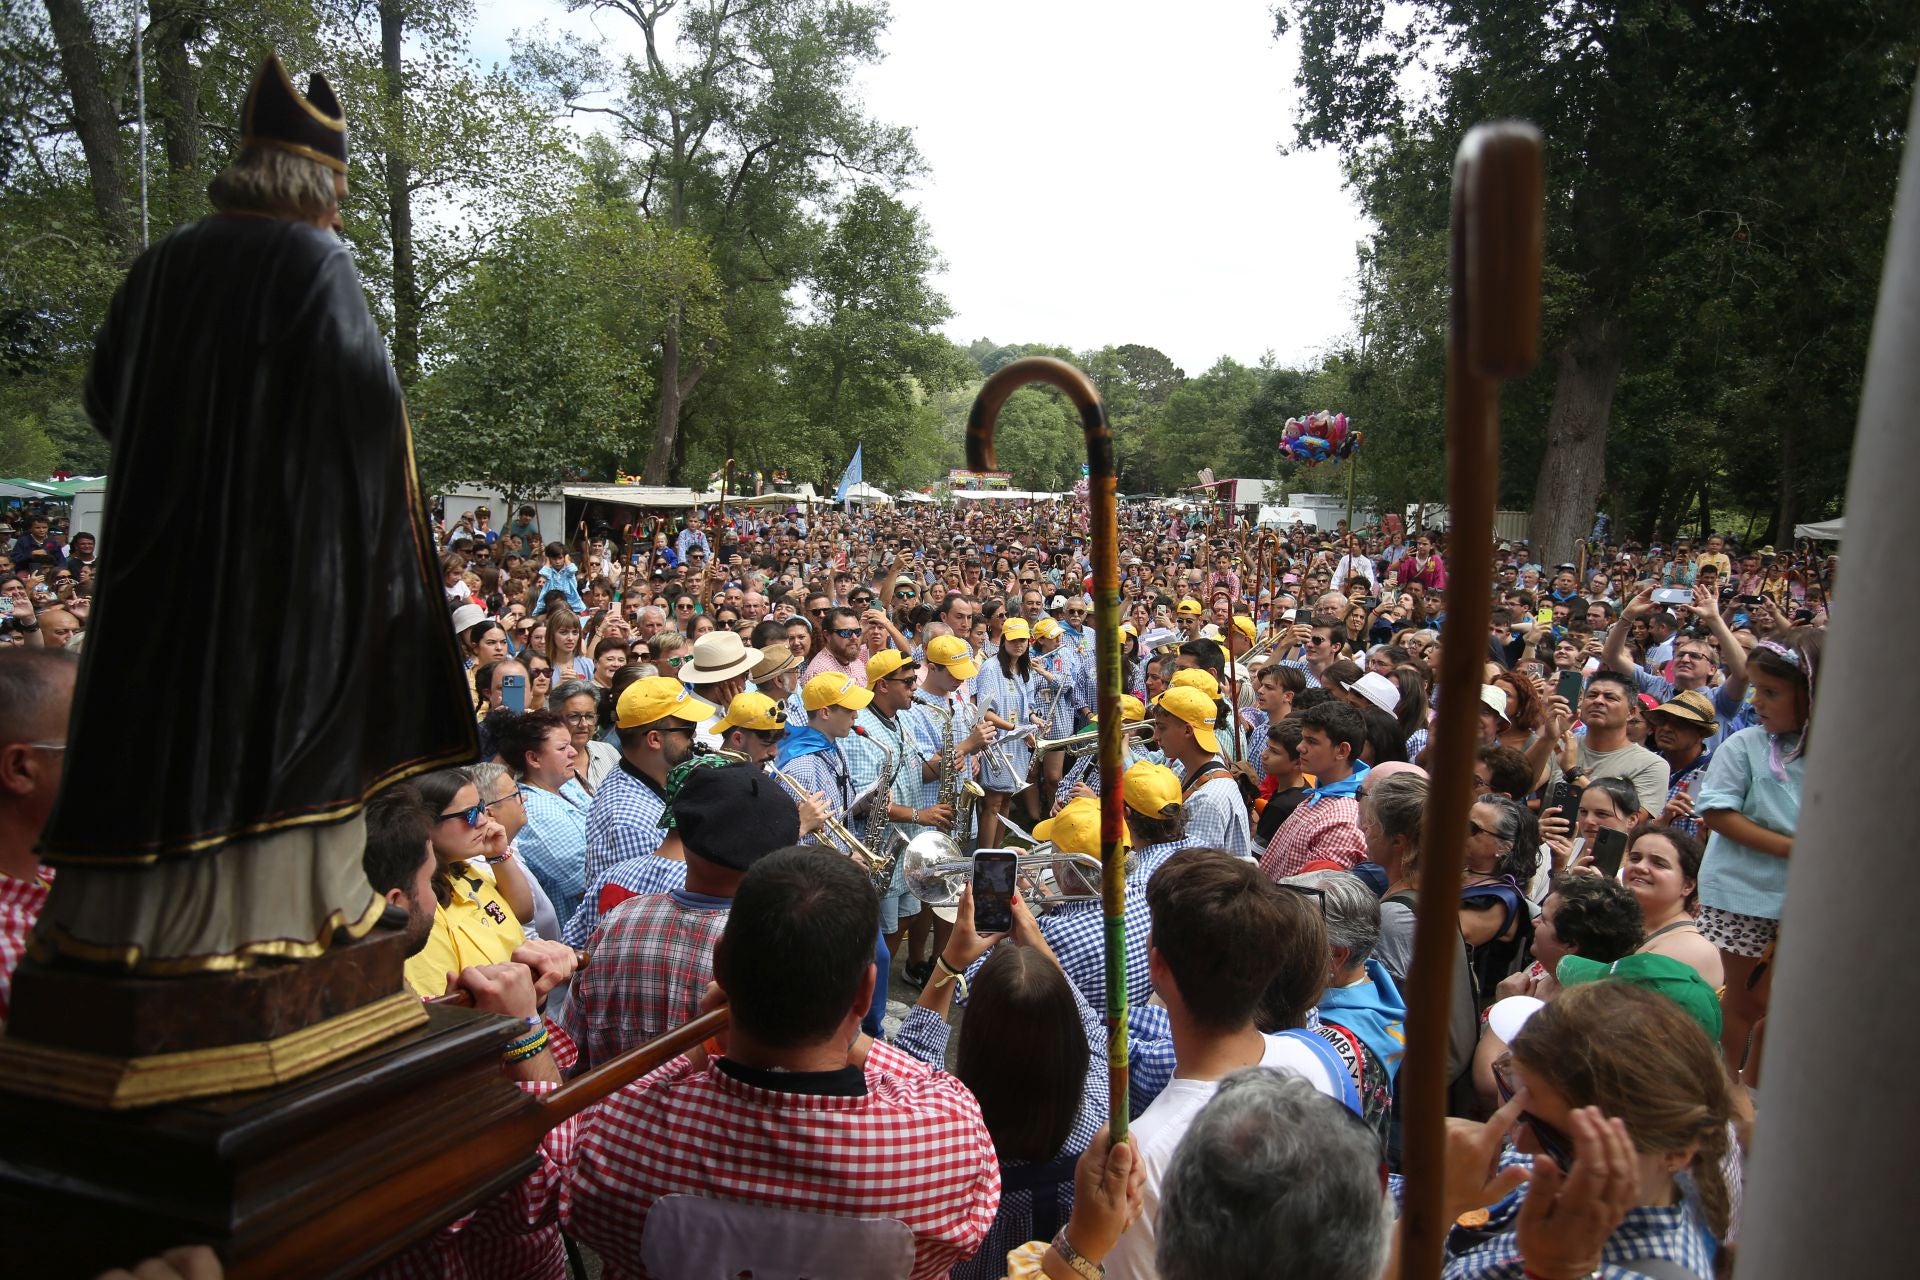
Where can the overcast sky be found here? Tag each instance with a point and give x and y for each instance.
(1101, 171)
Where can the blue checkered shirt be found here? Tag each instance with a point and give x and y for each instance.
(553, 844)
(1086, 772)
(1677, 782)
(1299, 664)
(624, 821)
(899, 749)
(825, 772)
(1077, 933)
(1217, 817)
(648, 873)
(1677, 1233)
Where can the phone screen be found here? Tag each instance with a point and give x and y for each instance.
(993, 876)
(513, 693)
(1609, 847)
(1571, 683)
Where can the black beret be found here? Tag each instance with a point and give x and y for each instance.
(734, 816)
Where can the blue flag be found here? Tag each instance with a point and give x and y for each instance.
(850, 477)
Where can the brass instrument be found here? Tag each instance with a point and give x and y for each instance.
(1087, 741)
(877, 812)
(936, 871)
(848, 842)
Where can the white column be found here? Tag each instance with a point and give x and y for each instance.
(1830, 1184)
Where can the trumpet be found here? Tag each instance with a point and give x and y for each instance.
(937, 871)
(1087, 740)
(848, 842)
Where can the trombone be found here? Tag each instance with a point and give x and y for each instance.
(1087, 740)
(937, 871)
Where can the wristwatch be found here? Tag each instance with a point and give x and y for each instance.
(1082, 1266)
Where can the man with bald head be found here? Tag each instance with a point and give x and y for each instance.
(58, 627)
(36, 690)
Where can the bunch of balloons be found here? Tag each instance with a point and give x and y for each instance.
(1318, 438)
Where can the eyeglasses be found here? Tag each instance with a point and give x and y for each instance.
(1557, 1146)
(674, 728)
(858, 600)
(1313, 892)
(847, 633)
(473, 817)
(511, 795)
(1475, 828)
(580, 717)
(818, 613)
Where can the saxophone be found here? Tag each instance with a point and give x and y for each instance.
(877, 817)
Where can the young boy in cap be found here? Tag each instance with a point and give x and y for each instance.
(1183, 722)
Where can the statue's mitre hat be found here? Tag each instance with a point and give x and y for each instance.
(276, 115)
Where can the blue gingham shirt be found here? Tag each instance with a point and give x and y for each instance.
(899, 750)
(1677, 782)
(1299, 664)
(648, 873)
(553, 844)
(624, 821)
(1217, 817)
(924, 1035)
(1086, 772)
(1676, 1232)
(1077, 933)
(827, 773)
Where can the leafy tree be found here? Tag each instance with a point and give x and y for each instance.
(1663, 123)
(755, 120)
(546, 375)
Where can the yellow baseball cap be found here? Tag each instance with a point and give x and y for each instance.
(1244, 625)
(654, 698)
(752, 711)
(1045, 629)
(1128, 629)
(1076, 829)
(1151, 789)
(951, 652)
(1194, 709)
(831, 689)
(1196, 678)
(885, 663)
(1189, 606)
(1016, 629)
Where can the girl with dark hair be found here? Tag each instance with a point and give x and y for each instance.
(538, 748)
(1495, 919)
(1662, 868)
(1750, 802)
(1033, 1053)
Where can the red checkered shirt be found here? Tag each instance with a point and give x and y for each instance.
(652, 960)
(1327, 828)
(20, 903)
(913, 1149)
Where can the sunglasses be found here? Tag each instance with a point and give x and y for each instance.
(1313, 892)
(473, 817)
(847, 633)
(1554, 1143)
(769, 736)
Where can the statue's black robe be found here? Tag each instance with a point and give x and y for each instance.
(270, 641)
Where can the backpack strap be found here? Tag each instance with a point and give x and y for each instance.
(1335, 1065)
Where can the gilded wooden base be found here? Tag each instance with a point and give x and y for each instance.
(117, 1083)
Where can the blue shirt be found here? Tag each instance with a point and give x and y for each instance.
(553, 844)
(1740, 779)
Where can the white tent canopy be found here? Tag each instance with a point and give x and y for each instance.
(868, 493)
(1822, 531)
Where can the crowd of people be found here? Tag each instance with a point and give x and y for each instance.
(703, 737)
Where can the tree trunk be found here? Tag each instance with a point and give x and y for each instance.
(176, 96)
(677, 381)
(406, 283)
(1783, 522)
(1706, 513)
(1575, 463)
(94, 121)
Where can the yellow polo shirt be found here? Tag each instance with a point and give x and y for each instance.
(476, 927)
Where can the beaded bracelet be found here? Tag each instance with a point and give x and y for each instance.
(525, 1040)
(521, 1053)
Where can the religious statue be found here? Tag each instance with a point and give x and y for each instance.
(225, 739)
